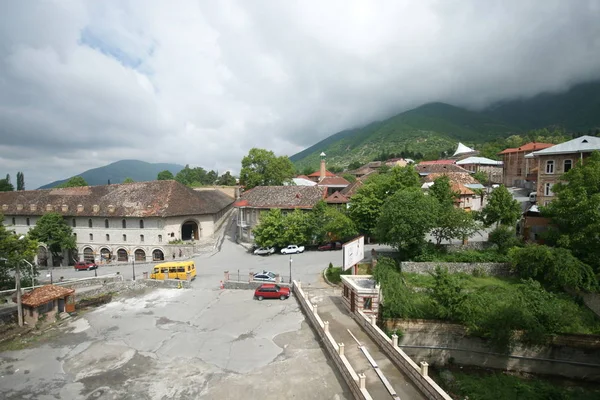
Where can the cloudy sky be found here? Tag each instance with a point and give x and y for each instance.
(87, 83)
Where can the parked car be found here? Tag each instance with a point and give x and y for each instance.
(264, 251)
(271, 291)
(292, 249)
(330, 246)
(266, 276)
(85, 266)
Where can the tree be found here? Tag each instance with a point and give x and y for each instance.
(405, 219)
(128, 180)
(165, 175)
(481, 177)
(52, 230)
(574, 211)
(453, 223)
(5, 185)
(365, 206)
(262, 168)
(555, 268)
(337, 225)
(442, 191)
(13, 251)
(226, 180)
(501, 208)
(75, 181)
(296, 230)
(504, 237)
(20, 181)
(354, 165)
(349, 177)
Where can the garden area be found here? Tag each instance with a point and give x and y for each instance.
(334, 274)
(492, 308)
(483, 384)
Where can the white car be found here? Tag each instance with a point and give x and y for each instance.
(292, 249)
(265, 276)
(264, 251)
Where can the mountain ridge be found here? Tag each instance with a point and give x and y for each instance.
(117, 171)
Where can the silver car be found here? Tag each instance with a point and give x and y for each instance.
(264, 276)
(264, 251)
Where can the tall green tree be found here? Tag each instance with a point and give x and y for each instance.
(442, 191)
(52, 230)
(337, 225)
(296, 226)
(405, 219)
(501, 208)
(226, 180)
(75, 181)
(20, 181)
(269, 231)
(165, 175)
(365, 206)
(574, 211)
(263, 168)
(5, 185)
(12, 253)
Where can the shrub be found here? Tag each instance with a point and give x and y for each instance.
(504, 237)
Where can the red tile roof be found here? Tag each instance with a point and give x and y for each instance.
(285, 197)
(333, 181)
(437, 162)
(45, 294)
(318, 173)
(351, 189)
(461, 189)
(528, 147)
(454, 177)
(437, 168)
(138, 199)
(336, 198)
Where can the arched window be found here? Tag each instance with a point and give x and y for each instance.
(106, 223)
(160, 238)
(107, 237)
(124, 238)
(141, 224)
(90, 225)
(141, 238)
(91, 237)
(124, 223)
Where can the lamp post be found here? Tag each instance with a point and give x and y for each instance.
(133, 264)
(32, 278)
(18, 289)
(290, 269)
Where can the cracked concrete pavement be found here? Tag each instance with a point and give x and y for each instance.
(183, 344)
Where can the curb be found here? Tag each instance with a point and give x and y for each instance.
(334, 285)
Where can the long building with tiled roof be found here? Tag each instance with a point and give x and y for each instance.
(123, 221)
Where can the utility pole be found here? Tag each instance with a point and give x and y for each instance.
(290, 269)
(18, 288)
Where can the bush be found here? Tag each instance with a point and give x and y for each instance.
(334, 274)
(504, 237)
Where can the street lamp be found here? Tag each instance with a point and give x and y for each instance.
(290, 269)
(133, 264)
(32, 278)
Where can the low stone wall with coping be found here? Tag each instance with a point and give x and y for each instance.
(356, 382)
(418, 374)
(493, 269)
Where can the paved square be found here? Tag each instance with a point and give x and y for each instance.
(184, 344)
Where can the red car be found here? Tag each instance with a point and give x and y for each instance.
(271, 291)
(85, 266)
(330, 246)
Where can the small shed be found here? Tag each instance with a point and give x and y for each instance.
(47, 300)
(360, 293)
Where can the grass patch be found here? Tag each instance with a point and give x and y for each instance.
(334, 274)
(483, 384)
(469, 281)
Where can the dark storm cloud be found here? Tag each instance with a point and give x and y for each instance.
(202, 82)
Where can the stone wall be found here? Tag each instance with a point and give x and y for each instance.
(354, 381)
(455, 247)
(417, 374)
(571, 356)
(247, 285)
(495, 269)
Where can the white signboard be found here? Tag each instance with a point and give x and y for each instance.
(354, 252)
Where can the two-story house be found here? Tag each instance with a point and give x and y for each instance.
(556, 160)
(517, 170)
(120, 222)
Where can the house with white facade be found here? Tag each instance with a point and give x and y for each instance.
(132, 221)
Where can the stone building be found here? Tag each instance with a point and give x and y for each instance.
(519, 171)
(360, 293)
(554, 161)
(492, 168)
(123, 222)
(43, 303)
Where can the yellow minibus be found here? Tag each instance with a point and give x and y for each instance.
(174, 270)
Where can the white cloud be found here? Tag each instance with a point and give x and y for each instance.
(83, 84)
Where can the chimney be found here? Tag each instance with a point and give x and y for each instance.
(323, 170)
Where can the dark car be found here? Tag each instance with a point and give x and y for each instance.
(330, 246)
(271, 291)
(85, 266)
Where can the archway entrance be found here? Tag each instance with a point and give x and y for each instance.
(189, 231)
(105, 254)
(42, 256)
(122, 255)
(158, 255)
(88, 254)
(140, 255)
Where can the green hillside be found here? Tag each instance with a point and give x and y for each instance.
(576, 110)
(430, 128)
(116, 172)
(437, 127)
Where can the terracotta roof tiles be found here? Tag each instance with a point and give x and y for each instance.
(286, 197)
(45, 294)
(337, 181)
(531, 146)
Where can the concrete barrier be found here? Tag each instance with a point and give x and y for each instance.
(253, 285)
(354, 381)
(418, 374)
